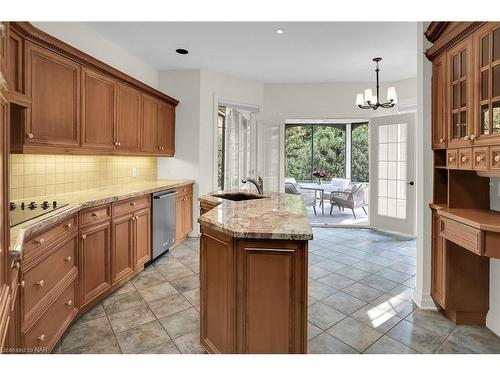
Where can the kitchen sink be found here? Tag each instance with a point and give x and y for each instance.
(238, 196)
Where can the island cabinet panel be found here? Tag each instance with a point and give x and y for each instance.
(218, 291)
(142, 231)
(122, 246)
(94, 262)
(253, 294)
(54, 88)
(98, 110)
(272, 297)
(128, 133)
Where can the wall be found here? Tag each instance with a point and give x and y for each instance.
(39, 175)
(327, 100)
(91, 42)
(493, 317)
(424, 173)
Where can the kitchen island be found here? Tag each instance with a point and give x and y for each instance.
(253, 272)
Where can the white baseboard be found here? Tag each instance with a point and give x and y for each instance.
(424, 300)
(493, 321)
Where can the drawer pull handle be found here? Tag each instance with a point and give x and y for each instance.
(464, 159)
(41, 241)
(95, 214)
(441, 140)
(40, 283)
(69, 225)
(68, 259)
(132, 203)
(451, 159)
(84, 236)
(479, 158)
(497, 158)
(30, 135)
(69, 303)
(22, 284)
(41, 338)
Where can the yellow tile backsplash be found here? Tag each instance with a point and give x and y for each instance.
(36, 175)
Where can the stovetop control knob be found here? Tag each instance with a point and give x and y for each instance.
(32, 205)
(13, 206)
(45, 205)
(54, 204)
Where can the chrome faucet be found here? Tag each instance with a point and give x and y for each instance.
(259, 184)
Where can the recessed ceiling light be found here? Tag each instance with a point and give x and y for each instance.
(182, 51)
(279, 31)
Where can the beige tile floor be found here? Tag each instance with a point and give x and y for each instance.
(360, 287)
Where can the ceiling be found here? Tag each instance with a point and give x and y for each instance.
(305, 52)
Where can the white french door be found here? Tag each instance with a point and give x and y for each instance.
(392, 173)
(269, 147)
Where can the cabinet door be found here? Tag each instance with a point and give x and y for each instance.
(488, 70)
(94, 262)
(54, 87)
(15, 62)
(179, 221)
(187, 214)
(128, 132)
(142, 221)
(166, 129)
(438, 263)
(122, 247)
(149, 141)
(461, 94)
(439, 109)
(98, 110)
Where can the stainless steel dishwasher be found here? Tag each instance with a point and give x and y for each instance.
(163, 221)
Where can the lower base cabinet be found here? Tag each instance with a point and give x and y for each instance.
(122, 246)
(183, 212)
(94, 267)
(142, 240)
(253, 295)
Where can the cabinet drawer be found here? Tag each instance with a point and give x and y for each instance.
(451, 159)
(480, 158)
(46, 331)
(131, 205)
(184, 190)
(45, 239)
(495, 158)
(463, 235)
(39, 278)
(95, 215)
(465, 158)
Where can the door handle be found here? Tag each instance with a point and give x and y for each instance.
(411, 183)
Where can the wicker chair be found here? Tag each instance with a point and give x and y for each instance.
(353, 197)
(308, 196)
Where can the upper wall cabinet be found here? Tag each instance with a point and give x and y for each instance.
(98, 110)
(488, 71)
(54, 87)
(67, 102)
(439, 103)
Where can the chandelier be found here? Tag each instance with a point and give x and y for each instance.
(370, 101)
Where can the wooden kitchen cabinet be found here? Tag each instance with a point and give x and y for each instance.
(142, 237)
(439, 102)
(122, 247)
(54, 87)
(98, 110)
(158, 127)
(128, 118)
(253, 295)
(438, 270)
(183, 212)
(94, 266)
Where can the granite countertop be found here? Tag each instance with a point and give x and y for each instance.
(277, 216)
(84, 199)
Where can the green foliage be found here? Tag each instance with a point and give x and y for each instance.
(327, 152)
(359, 155)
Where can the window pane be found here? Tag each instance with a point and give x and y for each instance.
(496, 117)
(485, 119)
(456, 96)
(484, 85)
(496, 81)
(329, 151)
(463, 124)
(359, 154)
(455, 126)
(455, 67)
(485, 50)
(298, 157)
(463, 63)
(496, 44)
(463, 94)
